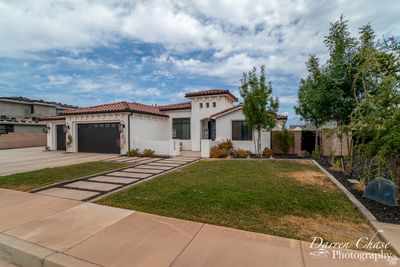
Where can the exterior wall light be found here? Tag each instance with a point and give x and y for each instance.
(65, 128)
(46, 129)
(121, 127)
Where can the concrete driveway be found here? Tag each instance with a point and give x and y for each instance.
(30, 159)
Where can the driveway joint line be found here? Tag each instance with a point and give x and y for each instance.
(302, 253)
(184, 248)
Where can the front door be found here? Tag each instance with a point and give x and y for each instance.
(60, 137)
(211, 130)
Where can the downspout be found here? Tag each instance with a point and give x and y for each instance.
(129, 131)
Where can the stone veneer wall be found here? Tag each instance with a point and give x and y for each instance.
(20, 140)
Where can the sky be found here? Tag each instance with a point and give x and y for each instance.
(92, 52)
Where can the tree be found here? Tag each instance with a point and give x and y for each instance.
(259, 106)
(338, 72)
(285, 139)
(313, 98)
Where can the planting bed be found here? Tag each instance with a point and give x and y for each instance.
(383, 213)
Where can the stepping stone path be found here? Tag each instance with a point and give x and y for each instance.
(92, 187)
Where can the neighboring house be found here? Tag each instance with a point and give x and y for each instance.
(19, 124)
(209, 117)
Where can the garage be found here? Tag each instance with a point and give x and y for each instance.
(99, 138)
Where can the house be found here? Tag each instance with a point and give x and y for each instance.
(19, 124)
(208, 117)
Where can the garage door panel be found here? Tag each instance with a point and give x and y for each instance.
(99, 137)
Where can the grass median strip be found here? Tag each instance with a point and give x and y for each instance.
(34, 179)
(285, 198)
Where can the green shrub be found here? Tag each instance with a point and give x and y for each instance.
(133, 153)
(148, 153)
(216, 152)
(227, 144)
(316, 154)
(337, 166)
(267, 152)
(242, 153)
(285, 140)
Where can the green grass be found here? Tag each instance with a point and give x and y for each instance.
(29, 180)
(258, 196)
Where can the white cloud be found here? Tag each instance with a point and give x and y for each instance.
(58, 80)
(278, 33)
(80, 61)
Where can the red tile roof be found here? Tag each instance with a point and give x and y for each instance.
(211, 92)
(118, 107)
(146, 109)
(51, 118)
(177, 106)
(226, 110)
(278, 117)
(281, 117)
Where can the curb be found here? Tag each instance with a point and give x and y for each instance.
(26, 254)
(363, 210)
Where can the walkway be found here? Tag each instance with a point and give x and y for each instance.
(95, 186)
(38, 230)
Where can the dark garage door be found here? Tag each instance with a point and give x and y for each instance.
(60, 137)
(99, 137)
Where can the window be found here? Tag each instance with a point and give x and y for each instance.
(181, 128)
(201, 105)
(207, 105)
(241, 131)
(32, 109)
(214, 104)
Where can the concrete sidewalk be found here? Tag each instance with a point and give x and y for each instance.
(37, 230)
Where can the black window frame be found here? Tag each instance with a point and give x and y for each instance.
(177, 126)
(201, 105)
(214, 104)
(207, 105)
(241, 131)
(32, 109)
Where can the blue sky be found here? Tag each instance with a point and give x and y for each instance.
(92, 52)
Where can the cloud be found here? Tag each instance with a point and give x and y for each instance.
(58, 80)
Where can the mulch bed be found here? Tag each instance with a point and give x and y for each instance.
(288, 156)
(383, 213)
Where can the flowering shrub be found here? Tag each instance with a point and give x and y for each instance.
(216, 152)
(267, 152)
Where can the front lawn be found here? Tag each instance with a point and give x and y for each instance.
(29, 180)
(285, 198)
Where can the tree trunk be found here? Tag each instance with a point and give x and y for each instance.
(255, 142)
(398, 177)
(259, 141)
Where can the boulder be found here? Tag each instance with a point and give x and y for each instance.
(381, 190)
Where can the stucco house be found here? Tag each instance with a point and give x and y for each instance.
(208, 117)
(19, 125)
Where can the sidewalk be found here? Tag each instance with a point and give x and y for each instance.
(37, 230)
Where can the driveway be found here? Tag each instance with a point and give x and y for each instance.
(30, 159)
